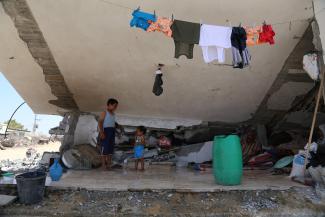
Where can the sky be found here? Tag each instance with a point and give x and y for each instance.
(10, 100)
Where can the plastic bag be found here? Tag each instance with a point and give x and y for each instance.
(298, 166)
(310, 65)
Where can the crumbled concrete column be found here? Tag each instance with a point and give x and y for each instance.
(71, 124)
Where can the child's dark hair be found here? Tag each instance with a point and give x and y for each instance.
(142, 129)
(112, 101)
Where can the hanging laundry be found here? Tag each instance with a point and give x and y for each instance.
(213, 40)
(253, 35)
(240, 54)
(267, 34)
(162, 25)
(142, 19)
(185, 35)
(157, 86)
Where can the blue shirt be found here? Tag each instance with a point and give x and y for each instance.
(140, 19)
(109, 120)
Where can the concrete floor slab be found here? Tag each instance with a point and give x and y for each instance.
(6, 199)
(167, 178)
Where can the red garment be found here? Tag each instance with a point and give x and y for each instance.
(267, 34)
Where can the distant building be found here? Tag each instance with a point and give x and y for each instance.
(11, 131)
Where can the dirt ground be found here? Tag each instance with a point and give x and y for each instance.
(17, 153)
(293, 202)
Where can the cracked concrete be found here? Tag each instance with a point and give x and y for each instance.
(29, 32)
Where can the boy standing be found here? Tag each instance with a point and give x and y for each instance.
(106, 125)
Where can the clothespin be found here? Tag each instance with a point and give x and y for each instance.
(240, 24)
(228, 21)
(264, 23)
(172, 17)
(290, 26)
(154, 13)
(138, 8)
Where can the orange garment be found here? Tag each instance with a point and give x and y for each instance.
(253, 35)
(162, 25)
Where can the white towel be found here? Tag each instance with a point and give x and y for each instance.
(213, 40)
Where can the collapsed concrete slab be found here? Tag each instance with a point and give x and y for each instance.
(197, 153)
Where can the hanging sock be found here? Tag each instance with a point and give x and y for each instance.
(267, 35)
(185, 35)
(157, 86)
(161, 25)
(213, 40)
(240, 54)
(142, 19)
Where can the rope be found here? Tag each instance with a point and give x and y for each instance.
(273, 24)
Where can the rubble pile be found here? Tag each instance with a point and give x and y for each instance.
(21, 141)
(30, 162)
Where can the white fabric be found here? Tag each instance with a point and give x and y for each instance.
(213, 40)
(310, 65)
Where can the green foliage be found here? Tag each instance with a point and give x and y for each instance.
(14, 125)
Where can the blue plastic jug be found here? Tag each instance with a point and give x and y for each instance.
(56, 170)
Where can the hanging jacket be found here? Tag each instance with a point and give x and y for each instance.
(142, 19)
(157, 86)
(241, 56)
(267, 34)
(238, 38)
(185, 35)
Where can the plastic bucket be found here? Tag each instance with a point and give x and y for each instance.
(31, 187)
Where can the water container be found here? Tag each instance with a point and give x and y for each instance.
(227, 160)
(31, 187)
(56, 170)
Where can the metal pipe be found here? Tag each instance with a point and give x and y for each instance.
(12, 117)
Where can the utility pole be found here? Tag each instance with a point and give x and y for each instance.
(35, 125)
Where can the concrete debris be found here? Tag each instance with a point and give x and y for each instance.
(47, 156)
(23, 140)
(167, 203)
(257, 203)
(82, 156)
(21, 165)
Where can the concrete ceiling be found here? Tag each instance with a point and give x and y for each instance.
(100, 56)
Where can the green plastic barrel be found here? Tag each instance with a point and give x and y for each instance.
(227, 160)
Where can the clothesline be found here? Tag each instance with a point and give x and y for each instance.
(273, 24)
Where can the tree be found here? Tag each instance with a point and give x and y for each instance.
(14, 125)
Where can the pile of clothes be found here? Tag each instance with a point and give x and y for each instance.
(212, 39)
(316, 166)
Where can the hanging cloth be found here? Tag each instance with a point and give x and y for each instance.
(253, 35)
(267, 34)
(162, 25)
(213, 40)
(142, 19)
(241, 56)
(157, 86)
(185, 35)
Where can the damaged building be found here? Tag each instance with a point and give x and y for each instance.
(67, 57)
